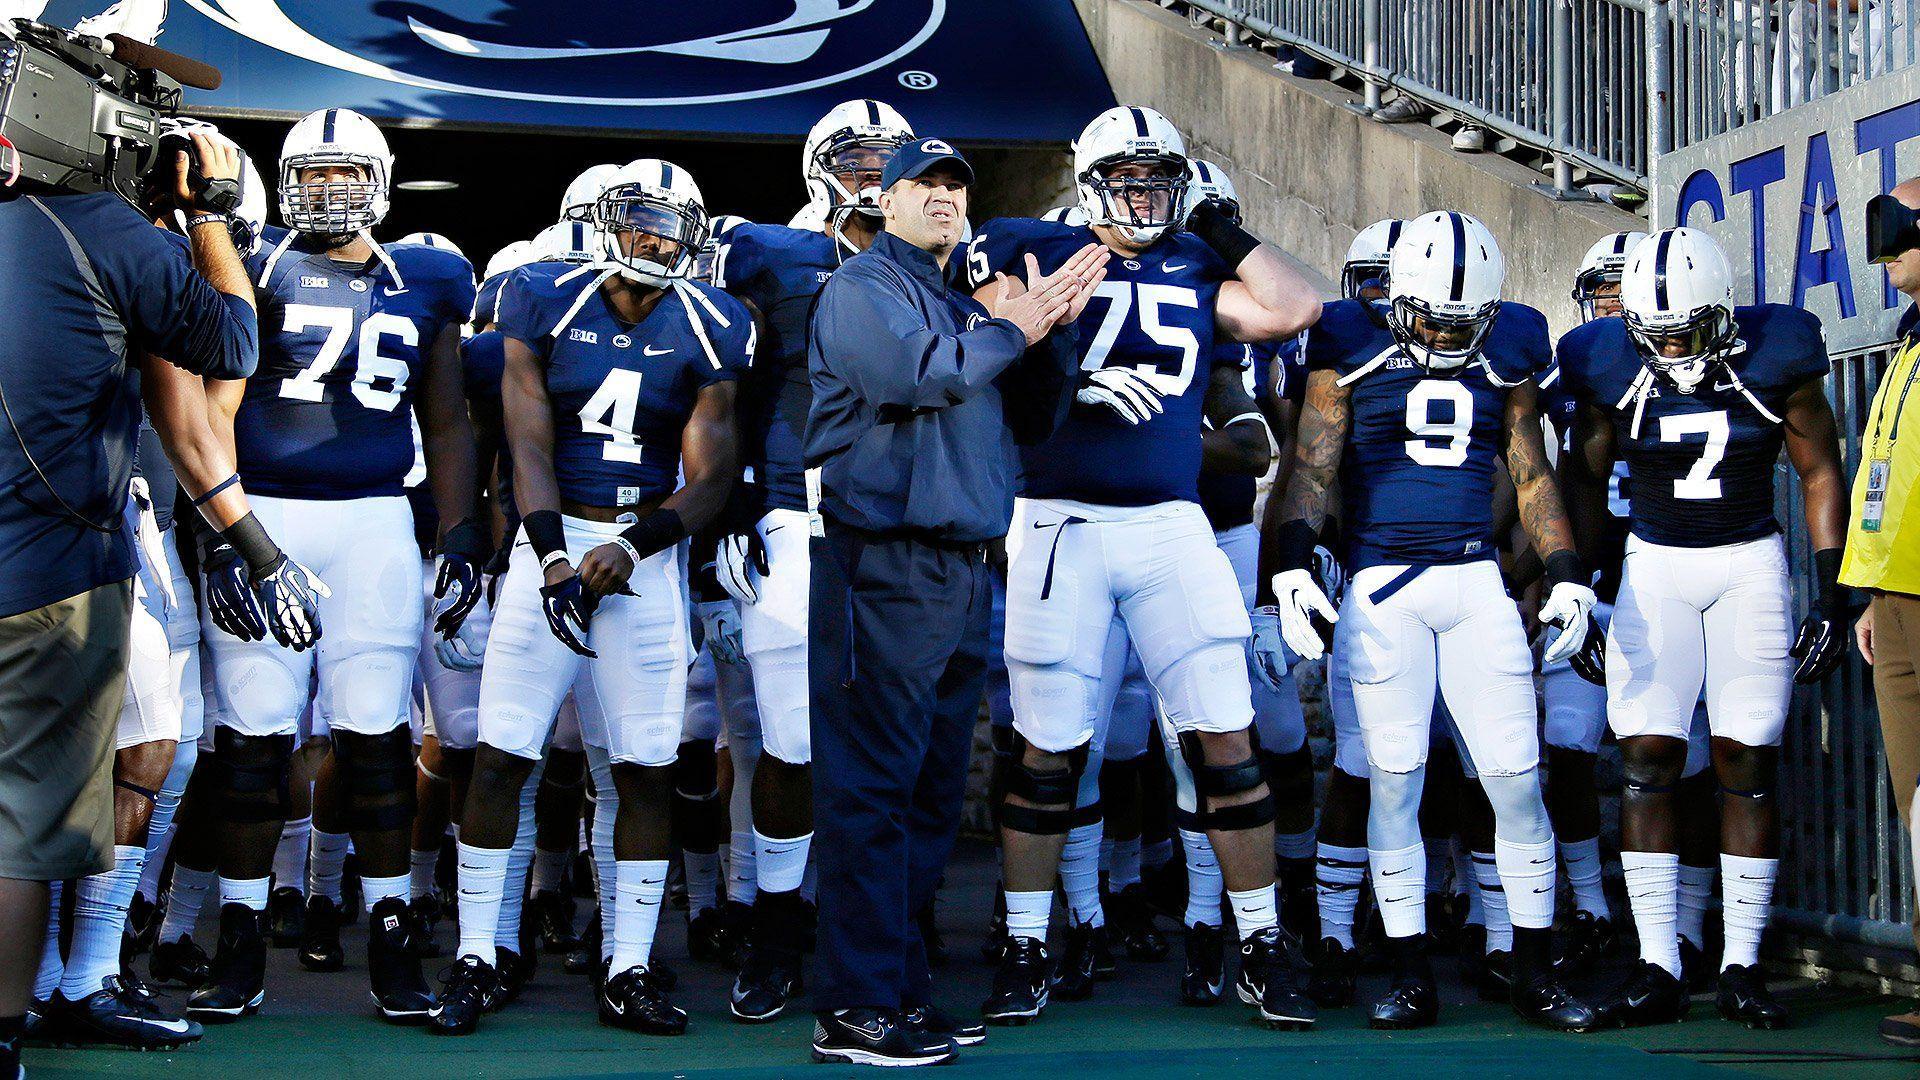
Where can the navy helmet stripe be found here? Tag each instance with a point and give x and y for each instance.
(1660, 271)
(326, 125)
(1620, 243)
(1206, 174)
(666, 176)
(1458, 289)
(1393, 234)
(1139, 121)
(873, 112)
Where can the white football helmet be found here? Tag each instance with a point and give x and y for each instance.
(432, 240)
(716, 236)
(510, 258)
(335, 207)
(809, 218)
(1210, 181)
(251, 215)
(1443, 284)
(1066, 215)
(584, 191)
(1140, 208)
(653, 222)
(1676, 295)
(575, 242)
(1601, 264)
(1366, 262)
(854, 138)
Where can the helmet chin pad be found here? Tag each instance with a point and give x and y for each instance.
(1405, 311)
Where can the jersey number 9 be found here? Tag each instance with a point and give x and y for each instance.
(1456, 429)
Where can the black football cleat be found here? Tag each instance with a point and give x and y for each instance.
(553, 919)
(769, 974)
(1495, 980)
(1022, 983)
(1073, 972)
(1334, 975)
(1130, 921)
(466, 990)
(1412, 999)
(236, 980)
(121, 1014)
(179, 963)
(737, 917)
(1299, 902)
(1651, 995)
(320, 948)
(995, 945)
(708, 936)
(35, 1026)
(877, 1037)
(513, 970)
(286, 917)
(1206, 972)
(1695, 969)
(1542, 1001)
(400, 992)
(143, 924)
(1269, 980)
(423, 919)
(634, 1001)
(1585, 940)
(937, 1021)
(585, 958)
(1744, 999)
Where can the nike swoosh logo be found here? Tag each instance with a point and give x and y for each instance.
(1045, 524)
(619, 1007)
(1636, 1002)
(651, 351)
(1723, 386)
(1390, 873)
(1548, 889)
(434, 1011)
(178, 1027)
(1172, 268)
(771, 529)
(874, 1031)
(393, 292)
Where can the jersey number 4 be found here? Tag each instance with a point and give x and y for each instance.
(1699, 483)
(369, 365)
(611, 411)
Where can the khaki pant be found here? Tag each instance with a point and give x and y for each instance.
(1896, 684)
(63, 676)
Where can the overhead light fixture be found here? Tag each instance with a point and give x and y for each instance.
(427, 185)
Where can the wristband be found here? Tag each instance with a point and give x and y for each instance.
(546, 534)
(550, 558)
(1565, 566)
(464, 539)
(1294, 545)
(1231, 242)
(217, 489)
(1830, 597)
(250, 539)
(622, 543)
(223, 220)
(652, 534)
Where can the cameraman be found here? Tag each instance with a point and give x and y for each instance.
(88, 284)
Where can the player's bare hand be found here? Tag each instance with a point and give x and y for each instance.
(558, 571)
(605, 570)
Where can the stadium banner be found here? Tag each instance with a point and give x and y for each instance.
(1787, 196)
(1003, 72)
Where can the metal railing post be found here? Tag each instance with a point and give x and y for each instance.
(1370, 51)
(1560, 32)
(1659, 84)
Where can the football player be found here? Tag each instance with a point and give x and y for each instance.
(1126, 541)
(619, 380)
(1409, 406)
(358, 341)
(1698, 397)
(763, 561)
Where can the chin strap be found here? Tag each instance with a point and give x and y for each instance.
(266, 271)
(385, 259)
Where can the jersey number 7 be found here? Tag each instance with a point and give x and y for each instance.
(369, 365)
(1171, 375)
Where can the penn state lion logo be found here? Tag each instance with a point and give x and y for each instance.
(636, 53)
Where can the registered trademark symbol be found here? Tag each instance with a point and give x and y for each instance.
(918, 80)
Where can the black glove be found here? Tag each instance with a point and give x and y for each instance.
(229, 592)
(568, 605)
(461, 552)
(1590, 663)
(1821, 640)
(496, 570)
(1216, 223)
(289, 595)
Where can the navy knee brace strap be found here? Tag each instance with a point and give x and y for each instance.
(1224, 781)
(251, 774)
(376, 772)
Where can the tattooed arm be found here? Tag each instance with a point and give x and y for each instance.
(1325, 419)
(1542, 514)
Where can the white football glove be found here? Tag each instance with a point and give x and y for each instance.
(720, 621)
(1125, 391)
(1272, 660)
(464, 651)
(1564, 620)
(1299, 599)
(733, 565)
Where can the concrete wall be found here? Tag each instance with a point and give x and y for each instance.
(1312, 172)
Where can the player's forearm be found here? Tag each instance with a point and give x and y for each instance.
(1241, 449)
(1823, 494)
(1544, 517)
(452, 472)
(1285, 296)
(177, 406)
(216, 259)
(709, 460)
(223, 398)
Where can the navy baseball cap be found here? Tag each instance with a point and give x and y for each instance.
(915, 159)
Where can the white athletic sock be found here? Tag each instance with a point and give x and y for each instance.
(703, 879)
(375, 889)
(513, 896)
(1582, 859)
(248, 892)
(743, 872)
(1254, 910)
(1439, 866)
(185, 897)
(160, 830)
(1653, 880)
(1746, 899)
(1400, 888)
(550, 869)
(483, 877)
(290, 856)
(1528, 873)
(422, 867)
(1080, 874)
(781, 864)
(1340, 872)
(1696, 893)
(640, 886)
(1123, 868)
(329, 862)
(99, 919)
(47, 979)
(1028, 913)
(1157, 854)
(605, 810)
(1204, 883)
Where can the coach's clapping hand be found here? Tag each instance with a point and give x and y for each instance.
(1038, 304)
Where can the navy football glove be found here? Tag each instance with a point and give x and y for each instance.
(1821, 640)
(569, 607)
(289, 596)
(462, 552)
(230, 593)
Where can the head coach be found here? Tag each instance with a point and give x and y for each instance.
(89, 285)
(920, 395)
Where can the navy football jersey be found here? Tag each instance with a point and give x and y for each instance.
(486, 301)
(779, 271)
(1154, 313)
(1417, 475)
(621, 393)
(329, 412)
(1701, 463)
(1228, 499)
